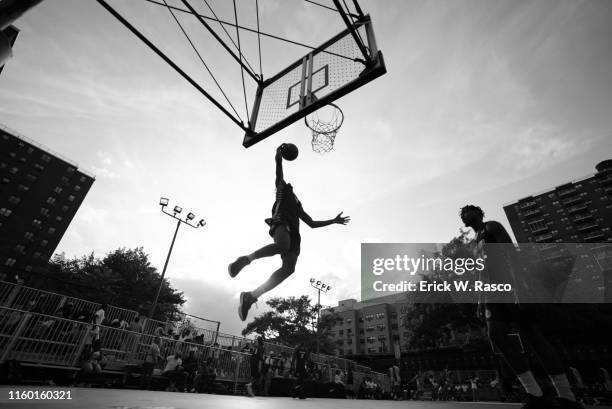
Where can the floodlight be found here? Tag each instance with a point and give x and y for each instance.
(178, 209)
(312, 280)
(201, 223)
(164, 201)
(190, 216)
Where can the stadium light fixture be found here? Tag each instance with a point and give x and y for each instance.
(163, 202)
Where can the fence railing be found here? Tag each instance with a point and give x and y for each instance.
(123, 346)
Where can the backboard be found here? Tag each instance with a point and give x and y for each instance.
(347, 61)
(325, 74)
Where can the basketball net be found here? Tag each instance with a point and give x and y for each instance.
(324, 124)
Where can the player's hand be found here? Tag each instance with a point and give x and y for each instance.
(279, 155)
(342, 219)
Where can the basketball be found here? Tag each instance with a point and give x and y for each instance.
(289, 151)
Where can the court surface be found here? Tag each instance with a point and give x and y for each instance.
(135, 399)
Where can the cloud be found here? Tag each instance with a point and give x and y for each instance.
(104, 173)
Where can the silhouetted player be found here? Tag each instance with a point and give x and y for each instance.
(285, 230)
(501, 266)
(298, 365)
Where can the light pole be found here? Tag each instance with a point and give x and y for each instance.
(320, 286)
(163, 202)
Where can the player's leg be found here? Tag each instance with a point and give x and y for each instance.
(281, 245)
(249, 298)
(546, 353)
(498, 328)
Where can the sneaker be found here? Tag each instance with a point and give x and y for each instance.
(246, 300)
(536, 402)
(234, 268)
(561, 403)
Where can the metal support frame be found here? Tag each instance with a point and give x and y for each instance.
(171, 63)
(216, 36)
(351, 28)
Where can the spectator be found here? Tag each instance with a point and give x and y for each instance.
(337, 388)
(256, 363)
(97, 321)
(190, 365)
(149, 364)
(205, 377)
(136, 325)
(66, 311)
(175, 372)
(474, 387)
(349, 387)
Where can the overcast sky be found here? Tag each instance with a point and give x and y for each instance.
(484, 102)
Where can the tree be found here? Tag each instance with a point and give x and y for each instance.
(291, 321)
(434, 324)
(124, 278)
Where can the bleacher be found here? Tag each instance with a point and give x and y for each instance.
(32, 333)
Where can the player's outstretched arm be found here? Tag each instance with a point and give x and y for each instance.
(339, 219)
(279, 166)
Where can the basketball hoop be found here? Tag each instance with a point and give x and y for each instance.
(324, 124)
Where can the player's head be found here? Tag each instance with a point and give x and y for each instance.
(471, 215)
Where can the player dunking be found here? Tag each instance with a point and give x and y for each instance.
(493, 241)
(284, 229)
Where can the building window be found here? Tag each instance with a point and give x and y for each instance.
(71, 198)
(64, 179)
(83, 179)
(44, 243)
(58, 190)
(28, 235)
(39, 167)
(64, 208)
(10, 262)
(23, 188)
(44, 211)
(59, 219)
(30, 150)
(36, 254)
(51, 230)
(51, 200)
(14, 200)
(36, 223)
(31, 178)
(28, 268)
(537, 225)
(5, 212)
(6, 180)
(20, 248)
(45, 158)
(70, 169)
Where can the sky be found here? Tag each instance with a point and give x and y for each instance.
(484, 102)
